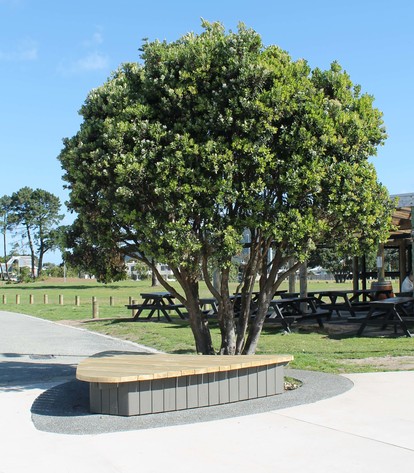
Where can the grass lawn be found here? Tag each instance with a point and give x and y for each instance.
(312, 348)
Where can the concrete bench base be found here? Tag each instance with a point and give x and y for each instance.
(175, 382)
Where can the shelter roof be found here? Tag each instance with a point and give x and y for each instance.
(401, 221)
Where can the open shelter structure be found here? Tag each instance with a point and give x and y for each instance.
(401, 238)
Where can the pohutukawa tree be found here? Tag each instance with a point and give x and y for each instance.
(213, 137)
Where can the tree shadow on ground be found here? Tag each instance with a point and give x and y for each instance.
(65, 400)
(23, 375)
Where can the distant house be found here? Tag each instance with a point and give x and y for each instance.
(132, 272)
(16, 263)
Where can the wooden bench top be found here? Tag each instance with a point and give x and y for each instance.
(122, 367)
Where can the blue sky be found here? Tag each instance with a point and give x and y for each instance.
(53, 53)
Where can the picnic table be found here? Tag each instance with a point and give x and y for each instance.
(209, 305)
(159, 302)
(391, 311)
(288, 310)
(349, 299)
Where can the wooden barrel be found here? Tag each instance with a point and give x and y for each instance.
(379, 289)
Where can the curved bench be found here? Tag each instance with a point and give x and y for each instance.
(127, 383)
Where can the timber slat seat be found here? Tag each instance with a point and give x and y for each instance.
(127, 383)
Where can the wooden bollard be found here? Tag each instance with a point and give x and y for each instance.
(17, 299)
(45, 299)
(4, 299)
(60, 299)
(95, 308)
(77, 301)
(31, 299)
(111, 301)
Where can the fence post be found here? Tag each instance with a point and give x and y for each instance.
(45, 299)
(60, 299)
(17, 299)
(95, 308)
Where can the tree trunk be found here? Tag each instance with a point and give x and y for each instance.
(5, 252)
(253, 337)
(32, 254)
(227, 327)
(200, 328)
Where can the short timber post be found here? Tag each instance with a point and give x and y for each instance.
(95, 308)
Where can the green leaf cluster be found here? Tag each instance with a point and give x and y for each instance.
(215, 134)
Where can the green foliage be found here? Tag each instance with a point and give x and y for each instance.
(37, 213)
(212, 135)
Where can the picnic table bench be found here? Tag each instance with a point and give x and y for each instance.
(127, 383)
(289, 310)
(347, 299)
(156, 302)
(391, 311)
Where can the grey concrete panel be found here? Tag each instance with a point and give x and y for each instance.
(233, 385)
(252, 377)
(203, 391)
(243, 375)
(192, 391)
(170, 394)
(95, 401)
(181, 401)
(224, 389)
(261, 381)
(213, 389)
(157, 387)
(145, 397)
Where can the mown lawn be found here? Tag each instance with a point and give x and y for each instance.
(312, 348)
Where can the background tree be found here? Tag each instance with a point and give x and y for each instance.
(36, 213)
(214, 137)
(336, 263)
(5, 227)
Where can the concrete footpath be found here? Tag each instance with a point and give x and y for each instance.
(354, 423)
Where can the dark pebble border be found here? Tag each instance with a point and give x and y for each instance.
(64, 409)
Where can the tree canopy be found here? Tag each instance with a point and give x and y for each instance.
(36, 212)
(212, 137)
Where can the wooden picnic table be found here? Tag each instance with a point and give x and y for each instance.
(391, 311)
(289, 310)
(159, 302)
(209, 305)
(350, 299)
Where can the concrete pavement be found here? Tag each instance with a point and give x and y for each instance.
(366, 425)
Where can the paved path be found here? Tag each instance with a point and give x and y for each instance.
(368, 428)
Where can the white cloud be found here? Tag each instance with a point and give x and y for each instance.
(25, 50)
(94, 61)
(95, 40)
(91, 60)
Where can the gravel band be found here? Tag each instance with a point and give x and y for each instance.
(64, 409)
